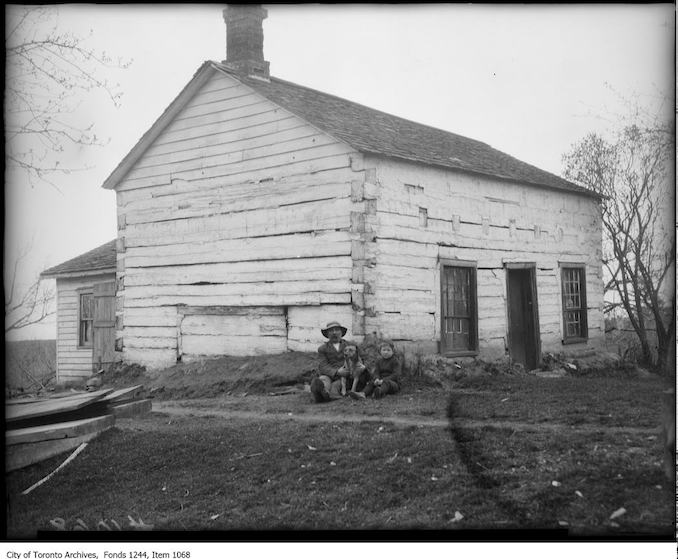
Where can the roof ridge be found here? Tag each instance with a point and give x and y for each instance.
(470, 155)
(345, 100)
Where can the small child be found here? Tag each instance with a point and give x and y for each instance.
(386, 374)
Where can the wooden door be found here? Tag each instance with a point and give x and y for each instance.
(459, 332)
(523, 331)
(103, 348)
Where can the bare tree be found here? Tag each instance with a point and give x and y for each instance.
(46, 72)
(634, 172)
(24, 307)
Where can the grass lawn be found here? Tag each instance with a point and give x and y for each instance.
(215, 473)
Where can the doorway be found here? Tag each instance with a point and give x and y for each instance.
(523, 316)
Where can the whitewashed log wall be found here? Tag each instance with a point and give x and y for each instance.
(472, 218)
(73, 363)
(240, 204)
(236, 204)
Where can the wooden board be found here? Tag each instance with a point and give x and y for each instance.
(131, 409)
(22, 455)
(51, 406)
(123, 394)
(54, 431)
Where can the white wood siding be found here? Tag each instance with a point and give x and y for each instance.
(73, 363)
(236, 203)
(472, 218)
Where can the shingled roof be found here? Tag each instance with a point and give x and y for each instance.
(98, 260)
(367, 130)
(371, 131)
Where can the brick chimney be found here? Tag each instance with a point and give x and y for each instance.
(245, 39)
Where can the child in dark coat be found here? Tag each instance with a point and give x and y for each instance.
(386, 374)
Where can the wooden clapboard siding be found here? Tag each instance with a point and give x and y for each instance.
(73, 363)
(479, 219)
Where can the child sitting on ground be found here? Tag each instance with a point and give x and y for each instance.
(386, 374)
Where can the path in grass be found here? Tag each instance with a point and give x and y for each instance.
(182, 408)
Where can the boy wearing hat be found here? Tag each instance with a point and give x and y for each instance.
(327, 385)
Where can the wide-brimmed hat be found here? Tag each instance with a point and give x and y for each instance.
(333, 324)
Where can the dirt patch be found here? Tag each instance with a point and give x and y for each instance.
(219, 376)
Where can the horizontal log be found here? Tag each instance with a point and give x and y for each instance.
(263, 222)
(155, 316)
(179, 192)
(295, 245)
(160, 342)
(395, 277)
(282, 191)
(131, 332)
(406, 326)
(231, 345)
(308, 160)
(244, 272)
(152, 359)
(301, 345)
(246, 299)
(318, 317)
(413, 233)
(219, 289)
(253, 324)
(388, 247)
(339, 163)
(191, 206)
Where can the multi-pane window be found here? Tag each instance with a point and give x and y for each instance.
(86, 320)
(574, 302)
(459, 308)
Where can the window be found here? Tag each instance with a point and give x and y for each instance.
(459, 311)
(573, 280)
(86, 320)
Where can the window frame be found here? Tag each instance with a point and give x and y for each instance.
(90, 344)
(582, 308)
(473, 303)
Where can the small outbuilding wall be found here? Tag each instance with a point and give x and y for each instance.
(74, 361)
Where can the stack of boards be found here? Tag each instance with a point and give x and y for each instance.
(38, 429)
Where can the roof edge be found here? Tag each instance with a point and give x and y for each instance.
(201, 75)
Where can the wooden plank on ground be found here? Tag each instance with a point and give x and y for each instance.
(129, 393)
(51, 406)
(22, 455)
(132, 409)
(54, 431)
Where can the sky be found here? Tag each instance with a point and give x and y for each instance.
(528, 80)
